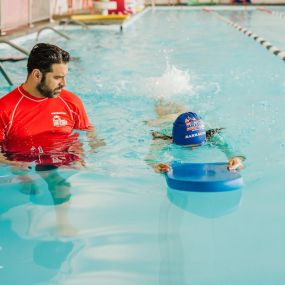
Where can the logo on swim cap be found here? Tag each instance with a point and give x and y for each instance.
(188, 129)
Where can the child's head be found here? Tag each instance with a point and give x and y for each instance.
(189, 129)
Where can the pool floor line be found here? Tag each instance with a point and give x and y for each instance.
(266, 44)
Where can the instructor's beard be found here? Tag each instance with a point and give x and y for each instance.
(45, 90)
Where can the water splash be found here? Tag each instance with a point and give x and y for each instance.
(171, 83)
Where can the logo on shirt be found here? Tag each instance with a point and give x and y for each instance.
(58, 122)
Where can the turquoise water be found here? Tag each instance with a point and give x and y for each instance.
(116, 222)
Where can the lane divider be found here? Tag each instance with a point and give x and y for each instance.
(271, 12)
(274, 50)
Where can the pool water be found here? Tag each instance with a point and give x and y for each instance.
(116, 222)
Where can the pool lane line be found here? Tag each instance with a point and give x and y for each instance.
(274, 50)
(271, 12)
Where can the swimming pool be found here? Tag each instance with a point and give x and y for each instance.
(125, 226)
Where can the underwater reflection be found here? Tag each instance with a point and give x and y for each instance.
(30, 261)
(26, 197)
(209, 205)
(206, 204)
(43, 186)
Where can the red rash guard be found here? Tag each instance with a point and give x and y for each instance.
(40, 129)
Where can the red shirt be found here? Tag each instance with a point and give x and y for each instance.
(40, 128)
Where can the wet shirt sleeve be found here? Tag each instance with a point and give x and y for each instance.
(80, 117)
(228, 149)
(158, 153)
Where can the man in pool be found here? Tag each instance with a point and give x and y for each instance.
(188, 130)
(38, 119)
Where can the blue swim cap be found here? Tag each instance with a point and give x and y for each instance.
(188, 129)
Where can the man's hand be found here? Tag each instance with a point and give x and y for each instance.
(93, 140)
(235, 163)
(14, 164)
(162, 167)
(94, 144)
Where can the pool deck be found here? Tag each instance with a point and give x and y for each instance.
(59, 21)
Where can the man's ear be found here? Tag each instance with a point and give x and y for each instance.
(37, 75)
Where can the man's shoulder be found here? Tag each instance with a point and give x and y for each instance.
(70, 97)
(11, 98)
(65, 94)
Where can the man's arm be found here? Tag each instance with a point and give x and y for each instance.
(4, 160)
(78, 149)
(93, 140)
(84, 124)
(16, 164)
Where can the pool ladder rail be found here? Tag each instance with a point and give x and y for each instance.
(18, 48)
(66, 22)
(6, 76)
(53, 29)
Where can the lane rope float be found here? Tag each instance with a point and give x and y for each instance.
(263, 42)
(271, 12)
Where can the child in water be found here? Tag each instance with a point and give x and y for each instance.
(188, 130)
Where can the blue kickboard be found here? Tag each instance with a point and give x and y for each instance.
(203, 177)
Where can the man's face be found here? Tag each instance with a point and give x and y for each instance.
(54, 81)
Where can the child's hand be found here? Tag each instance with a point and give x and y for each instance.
(162, 167)
(235, 163)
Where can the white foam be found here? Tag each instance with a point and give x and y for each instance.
(171, 83)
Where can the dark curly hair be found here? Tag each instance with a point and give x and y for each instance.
(43, 56)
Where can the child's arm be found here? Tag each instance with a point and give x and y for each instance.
(154, 157)
(234, 156)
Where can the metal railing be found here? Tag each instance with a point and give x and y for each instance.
(80, 23)
(6, 76)
(53, 29)
(20, 49)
